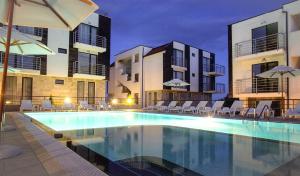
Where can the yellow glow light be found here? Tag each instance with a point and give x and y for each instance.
(114, 101)
(67, 100)
(129, 101)
(8, 102)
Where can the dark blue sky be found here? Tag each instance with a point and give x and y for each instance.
(201, 23)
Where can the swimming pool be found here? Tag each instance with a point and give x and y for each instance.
(159, 144)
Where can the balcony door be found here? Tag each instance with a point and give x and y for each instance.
(80, 91)
(27, 88)
(87, 63)
(265, 38)
(262, 85)
(11, 88)
(87, 34)
(91, 93)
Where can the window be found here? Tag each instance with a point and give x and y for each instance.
(206, 64)
(62, 50)
(136, 58)
(87, 64)
(178, 58)
(193, 74)
(87, 34)
(178, 75)
(265, 38)
(136, 77)
(206, 83)
(193, 54)
(11, 88)
(264, 84)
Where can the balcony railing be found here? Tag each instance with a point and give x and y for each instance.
(260, 85)
(178, 62)
(217, 88)
(96, 40)
(30, 30)
(259, 45)
(96, 69)
(214, 68)
(23, 62)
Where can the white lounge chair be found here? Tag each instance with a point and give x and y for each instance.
(201, 105)
(237, 106)
(67, 106)
(293, 112)
(26, 105)
(84, 105)
(260, 110)
(171, 105)
(102, 105)
(212, 110)
(47, 106)
(185, 105)
(154, 107)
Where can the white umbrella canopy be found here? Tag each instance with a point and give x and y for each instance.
(62, 14)
(280, 72)
(22, 44)
(176, 83)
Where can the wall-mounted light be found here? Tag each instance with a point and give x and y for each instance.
(114, 101)
(68, 100)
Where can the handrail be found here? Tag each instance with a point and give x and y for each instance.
(96, 40)
(95, 69)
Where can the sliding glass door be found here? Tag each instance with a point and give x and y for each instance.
(27, 88)
(91, 93)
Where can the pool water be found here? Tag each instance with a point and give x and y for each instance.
(145, 143)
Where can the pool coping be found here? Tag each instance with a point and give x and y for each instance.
(55, 157)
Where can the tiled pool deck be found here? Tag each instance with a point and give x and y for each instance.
(42, 154)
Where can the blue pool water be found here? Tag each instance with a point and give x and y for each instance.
(63, 121)
(145, 143)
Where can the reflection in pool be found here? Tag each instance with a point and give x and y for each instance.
(163, 150)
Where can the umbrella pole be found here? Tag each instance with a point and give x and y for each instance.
(5, 63)
(282, 97)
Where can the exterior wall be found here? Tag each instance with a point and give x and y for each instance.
(153, 72)
(44, 87)
(58, 64)
(194, 69)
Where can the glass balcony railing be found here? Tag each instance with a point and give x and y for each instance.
(214, 69)
(259, 45)
(96, 69)
(22, 62)
(96, 40)
(30, 30)
(217, 88)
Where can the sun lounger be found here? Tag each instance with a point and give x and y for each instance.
(103, 105)
(237, 106)
(67, 106)
(212, 110)
(201, 105)
(171, 105)
(26, 105)
(185, 105)
(293, 112)
(47, 106)
(84, 105)
(260, 110)
(154, 107)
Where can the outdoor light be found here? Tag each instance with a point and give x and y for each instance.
(115, 101)
(8, 102)
(67, 100)
(129, 100)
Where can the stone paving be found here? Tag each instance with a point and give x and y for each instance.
(42, 154)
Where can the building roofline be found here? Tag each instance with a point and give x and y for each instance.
(282, 6)
(124, 51)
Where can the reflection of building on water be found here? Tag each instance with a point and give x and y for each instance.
(182, 150)
(262, 154)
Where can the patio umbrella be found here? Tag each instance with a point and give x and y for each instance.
(176, 83)
(280, 72)
(61, 14)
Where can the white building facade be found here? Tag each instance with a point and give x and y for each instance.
(78, 70)
(259, 44)
(141, 72)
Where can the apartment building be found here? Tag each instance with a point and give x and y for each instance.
(141, 72)
(79, 68)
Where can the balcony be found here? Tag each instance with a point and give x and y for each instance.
(260, 47)
(260, 87)
(219, 88)
(95, 45)
(23, 64)
(35, 33)
(96, 71)
(214, 70)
